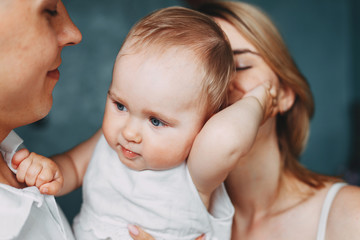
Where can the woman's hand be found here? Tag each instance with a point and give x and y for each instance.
(138, 234)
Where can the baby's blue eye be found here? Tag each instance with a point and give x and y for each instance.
(156, 122)
(121, 107)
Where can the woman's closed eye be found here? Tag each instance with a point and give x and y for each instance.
(242, 68)
(156, 122)
(244, 62)
(120, 106)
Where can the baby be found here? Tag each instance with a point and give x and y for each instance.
(156, 164)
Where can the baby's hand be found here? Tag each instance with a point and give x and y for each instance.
(39, 171)
(266, 94)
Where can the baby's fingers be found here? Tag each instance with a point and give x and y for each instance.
(49, 182)
(32, 174)
(22, 170)
(274, 108)
(18, 157)
(51, 188)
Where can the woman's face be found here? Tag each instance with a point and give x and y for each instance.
(32, 36)
(251, 70)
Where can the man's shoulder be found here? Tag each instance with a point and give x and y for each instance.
(14, 211)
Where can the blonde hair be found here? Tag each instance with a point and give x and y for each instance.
(196, 33)
(293, 125)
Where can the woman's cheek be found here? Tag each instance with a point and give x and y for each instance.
(234, 96)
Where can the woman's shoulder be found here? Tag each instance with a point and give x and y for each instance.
(347, 201)
(344, 216)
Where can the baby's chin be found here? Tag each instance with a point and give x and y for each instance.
(133, 164)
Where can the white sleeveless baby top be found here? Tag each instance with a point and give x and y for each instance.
(165, 204)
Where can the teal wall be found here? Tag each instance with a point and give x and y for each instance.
(320, 35)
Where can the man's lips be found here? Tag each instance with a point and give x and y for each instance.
(128, 154)
(55, 74)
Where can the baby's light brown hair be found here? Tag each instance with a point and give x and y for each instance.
(194, 32)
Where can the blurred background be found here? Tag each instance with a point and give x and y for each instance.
(322, 35)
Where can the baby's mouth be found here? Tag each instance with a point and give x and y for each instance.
(128, 154)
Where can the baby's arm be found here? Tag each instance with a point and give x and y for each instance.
(73, 163)
(226, 137)
(59, 175)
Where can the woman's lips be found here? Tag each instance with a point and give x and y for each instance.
(55, 74)
(128, 154)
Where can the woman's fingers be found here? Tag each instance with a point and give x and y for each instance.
(202, 237)
(138, 234)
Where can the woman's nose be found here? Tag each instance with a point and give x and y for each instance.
(131, 131)
(67, 32)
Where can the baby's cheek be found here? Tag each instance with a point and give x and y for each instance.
(110, 138)
(164, 157)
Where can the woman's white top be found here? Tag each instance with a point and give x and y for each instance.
(330, 196)
(26, 214)
(166, 203)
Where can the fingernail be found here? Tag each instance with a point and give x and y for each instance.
(44, 190)
(133, 230)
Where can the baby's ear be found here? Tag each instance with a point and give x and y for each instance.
(286, 99)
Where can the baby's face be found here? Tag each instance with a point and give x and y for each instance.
(153, 110)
